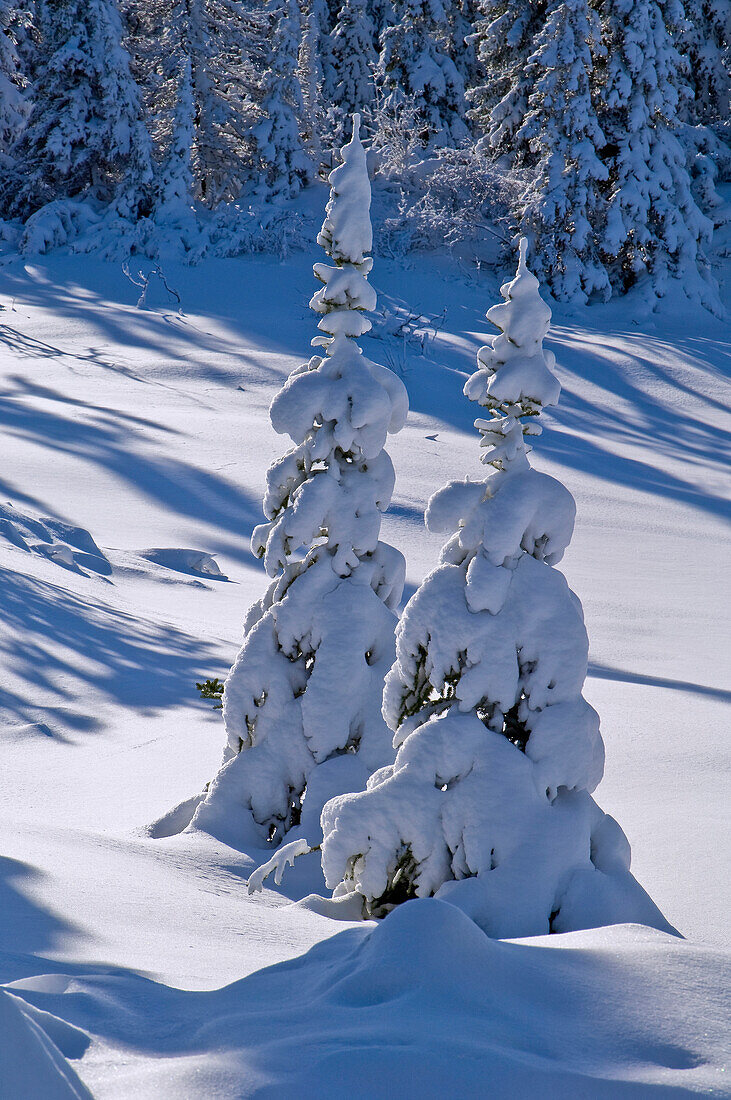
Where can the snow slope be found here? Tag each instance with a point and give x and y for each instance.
(425, 1002)
(125, 430)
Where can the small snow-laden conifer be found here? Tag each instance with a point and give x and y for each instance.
(279, 146)
(504, 39)
(302, 703)
(653, 227)
(416, 65)
(85, 136)
(488, 802)
(14, 101)
(563, 204)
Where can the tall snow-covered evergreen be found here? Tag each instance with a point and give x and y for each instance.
(653, 226)
(311, 77)
(174, 186)
(302, 701)
(14, 103)
(280, 150)
(504, 38)
(705, 45)
(462, 16)
(488, 802)
(85, 136)
(416, 63)
(705, 41)
(204, 29)
(353, 58)
(563, 205)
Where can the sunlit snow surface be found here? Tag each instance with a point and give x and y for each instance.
(124, 430)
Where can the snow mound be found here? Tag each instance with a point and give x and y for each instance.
(69, 546)
(31, 1065)
(184, 561)
(427, 1002)
(176, 820)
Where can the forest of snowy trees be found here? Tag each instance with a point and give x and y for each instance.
(599, 129)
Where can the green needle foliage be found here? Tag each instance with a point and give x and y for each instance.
(212, 689)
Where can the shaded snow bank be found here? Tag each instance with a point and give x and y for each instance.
(430, 1004)
(31, 1065)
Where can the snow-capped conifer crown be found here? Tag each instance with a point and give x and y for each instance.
(514, 379)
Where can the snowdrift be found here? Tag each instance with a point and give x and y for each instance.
(424, 1004)
(31, 1065)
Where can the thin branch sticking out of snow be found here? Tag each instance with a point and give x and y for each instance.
(142, 280)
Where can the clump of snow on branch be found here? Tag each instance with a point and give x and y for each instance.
(283, 857)
(488, 801)
(302, 703)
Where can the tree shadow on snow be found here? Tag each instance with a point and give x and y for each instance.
(642, 394)
(236, 292)
(643, 404)
(106, 439)
(59, 645)
(31, 928)
(605, 672)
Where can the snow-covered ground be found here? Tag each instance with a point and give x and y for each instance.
(134, 444)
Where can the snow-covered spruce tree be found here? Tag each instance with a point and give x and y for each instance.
(353, 59)
(216, 38)
(416, 64)
(85, 137)
(321, 18)
(504, 39)
(653, 226)
(705, 45)
(280, 151)
(14, 103)
(488, 803)
(190, 47)
(302, 702)
(174, 186)
(462, 15)
(383, 15)
(705, 42)
(311, 75)
(563, 203)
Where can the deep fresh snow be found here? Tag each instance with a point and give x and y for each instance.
(134, 450)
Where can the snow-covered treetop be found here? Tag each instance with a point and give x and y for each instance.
(347, 237)
(339, 407)
(346, 233)
(514, 379)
